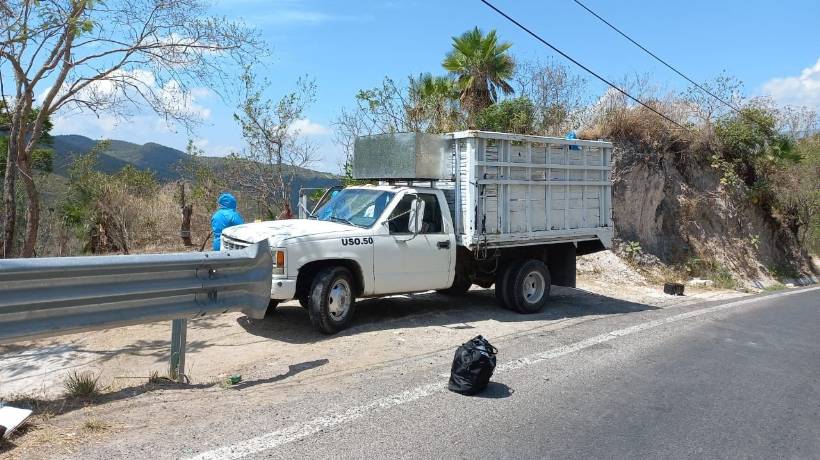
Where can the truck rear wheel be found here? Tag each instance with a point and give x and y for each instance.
(331, 303)
(529, 287)
(502, 292)
(304, 301)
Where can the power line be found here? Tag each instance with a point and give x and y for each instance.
(700, 87)
(590, 71)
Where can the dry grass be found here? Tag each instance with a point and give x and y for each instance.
(81, 385)
(95, 425)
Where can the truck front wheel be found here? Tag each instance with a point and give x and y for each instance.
(272, 304)
(331, 303)
(529, 287)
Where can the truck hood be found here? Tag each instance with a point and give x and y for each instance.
(278, 232)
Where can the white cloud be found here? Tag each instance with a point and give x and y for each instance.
(183, 103)
(132, 92)
(293, 13)
(108, 126)
(802, 90)
(86, 124)
(119, 118)
(305, 127)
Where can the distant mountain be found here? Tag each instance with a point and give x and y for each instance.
(160, 159)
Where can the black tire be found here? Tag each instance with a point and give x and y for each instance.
(461, 284)
(272, 304)
(502, 281)
(532, 276)
(326, 292)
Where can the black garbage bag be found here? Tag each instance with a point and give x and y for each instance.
(473, 365)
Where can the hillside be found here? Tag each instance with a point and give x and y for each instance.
(160, 159)
(673, 205)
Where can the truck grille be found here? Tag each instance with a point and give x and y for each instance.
(229, 243)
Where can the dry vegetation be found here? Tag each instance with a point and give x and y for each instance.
(733, 198)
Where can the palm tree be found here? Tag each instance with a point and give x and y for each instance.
(434, 102)
(481, 67)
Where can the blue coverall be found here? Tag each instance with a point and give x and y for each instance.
(224, 217)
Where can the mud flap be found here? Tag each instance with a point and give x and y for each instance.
(561, 264)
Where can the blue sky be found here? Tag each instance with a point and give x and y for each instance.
(773, 47)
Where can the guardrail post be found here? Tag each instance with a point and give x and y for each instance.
(179, 332)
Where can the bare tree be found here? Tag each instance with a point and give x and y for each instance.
(704, 108)
(387, 108)
(274, 150)
(112, 56)
(427, 103)
(348, 125)
(557, 94)
(798, 122)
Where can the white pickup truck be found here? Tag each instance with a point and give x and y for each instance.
(443, 212)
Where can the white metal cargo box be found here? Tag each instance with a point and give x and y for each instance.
(503, 189)
(514, 189)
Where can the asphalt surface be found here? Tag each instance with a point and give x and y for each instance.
(738, 379)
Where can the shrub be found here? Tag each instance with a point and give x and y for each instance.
(95, 425)
(509, 116)
(632, 250)
(752, 145)
(712, 270)
(796, 190)
(639, 125)
(81, 384)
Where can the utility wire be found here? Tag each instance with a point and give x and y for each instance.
(673, 69)
(590, 71)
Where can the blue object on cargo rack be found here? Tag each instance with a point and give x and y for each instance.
(571, 137)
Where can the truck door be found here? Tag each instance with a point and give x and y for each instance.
(406, 263)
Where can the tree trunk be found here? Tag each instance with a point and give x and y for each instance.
(9, 204)
(16, 152)
(187, 211)
(33, 210)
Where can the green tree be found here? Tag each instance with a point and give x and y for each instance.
(508, 116)
(481, 67)
(434, 102)
(42, 156)
(797, 193)
(751, 143)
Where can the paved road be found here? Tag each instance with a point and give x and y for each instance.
(730, 380)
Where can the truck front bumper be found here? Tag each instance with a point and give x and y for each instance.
(282, 289)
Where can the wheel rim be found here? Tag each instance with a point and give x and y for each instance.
(533, 287)
(338, 299)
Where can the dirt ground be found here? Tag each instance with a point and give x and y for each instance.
(285, 350)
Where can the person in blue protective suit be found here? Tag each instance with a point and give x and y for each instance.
(224, 217)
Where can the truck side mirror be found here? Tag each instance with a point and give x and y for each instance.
(416, 216)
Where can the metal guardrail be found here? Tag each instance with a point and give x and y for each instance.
(61, 295)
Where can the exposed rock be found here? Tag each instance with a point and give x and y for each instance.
(674, 205)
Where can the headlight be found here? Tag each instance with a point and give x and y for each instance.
(278, 262)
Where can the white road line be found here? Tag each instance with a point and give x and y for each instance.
(302, 430)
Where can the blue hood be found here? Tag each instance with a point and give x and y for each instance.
(227, 201)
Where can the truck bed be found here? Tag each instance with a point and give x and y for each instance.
(502, 189)
(512, 190)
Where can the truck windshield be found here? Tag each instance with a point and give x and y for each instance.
(352, 206)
